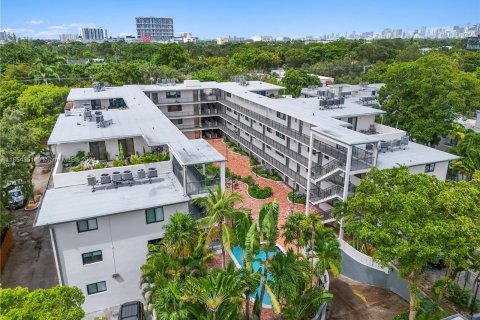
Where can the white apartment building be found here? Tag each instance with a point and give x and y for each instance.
(159, 29)
(101, 220)
(323, 142)
(320, 144)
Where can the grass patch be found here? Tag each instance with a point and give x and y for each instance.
(299, 198)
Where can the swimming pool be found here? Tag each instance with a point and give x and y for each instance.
(238, 253)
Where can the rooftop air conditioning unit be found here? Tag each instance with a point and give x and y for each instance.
(116, 177)
(152, 173)
(127, 175)
(141, 174)
(91, 180)
(105, 178)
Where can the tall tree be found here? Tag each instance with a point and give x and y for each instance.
(411, 219)
(426, 96)
(17, 148)
(296, 79)
(221, 211)
(57, 303)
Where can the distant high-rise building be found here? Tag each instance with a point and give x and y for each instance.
(69, 37)
(158, 29)
(3, 36)
(93, 34)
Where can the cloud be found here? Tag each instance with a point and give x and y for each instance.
(48, 32)
(34, 22)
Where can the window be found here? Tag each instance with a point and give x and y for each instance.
(268, 147)
(280, 154)
(87, 225)
(98, 149)
(282, 116)
(269, 129)
(228, 94)
(174, 108)
(280, 135)
(155, 97)
(247, 118)
(177, 121)
(91, 257)
(229, 109)
(429, 167)
(154, 215)
(96, 287)
(173, 94)
(253, 121)
(234, 112)
(247, 134)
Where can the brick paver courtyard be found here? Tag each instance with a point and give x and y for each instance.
(239, 164)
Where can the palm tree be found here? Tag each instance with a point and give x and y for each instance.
(306, 305)
(180, 235)
(170, 305)
(268, 220)
(295, 230)
(291, 274)
(42, 72)
(220, 207)
(326, 251)
(219, 294)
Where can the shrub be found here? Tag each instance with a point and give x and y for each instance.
(149, 157)
(299, 198)
(453, 293)
(248, 180)
(231, 175)
(270, 176)
(255, 191)
(253, 161)
(118, 163)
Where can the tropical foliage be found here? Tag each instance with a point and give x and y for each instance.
(181, 280)
(413, 219)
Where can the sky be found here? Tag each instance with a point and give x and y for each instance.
(209, 19)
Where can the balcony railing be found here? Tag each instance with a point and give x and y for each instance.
(333, 165)
(199, 187)
(272, 161)
(289, 152)
(361, 159)
(270, 123)
(203, 125)
(317, 194)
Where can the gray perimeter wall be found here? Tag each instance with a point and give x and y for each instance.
(365, 273)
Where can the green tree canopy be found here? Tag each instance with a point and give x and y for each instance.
(10, 91)
(57, 303)
(251, 58)
(42, 100)
(296, 79)
(427, 95)
(413, 219)
(172, 55)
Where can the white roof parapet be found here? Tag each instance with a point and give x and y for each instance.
(79, 202)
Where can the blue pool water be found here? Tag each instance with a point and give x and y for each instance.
(238, 254)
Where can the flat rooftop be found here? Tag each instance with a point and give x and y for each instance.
(79, 202)
(141, 118)
(413, 155)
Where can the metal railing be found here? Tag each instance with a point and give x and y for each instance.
(267, 158)
(199, 187)
(339, 152)
(270, 123)
(203, 125)
(289, 152)
(361, 159)
(318, 194)
(320, 171)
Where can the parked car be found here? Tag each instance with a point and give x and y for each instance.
(132, 311)
(16, 198)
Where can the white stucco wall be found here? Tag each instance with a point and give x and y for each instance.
(123, 240)
(440, 170)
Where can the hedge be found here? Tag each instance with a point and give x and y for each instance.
(300, 198)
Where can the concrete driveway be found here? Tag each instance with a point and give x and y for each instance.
(30, 263)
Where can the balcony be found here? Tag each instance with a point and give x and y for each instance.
(384, 132)
(267, 158)
(259, 135)
(319, 195)
(325, 171)
(200, 126)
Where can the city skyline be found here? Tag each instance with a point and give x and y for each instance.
(43, 20)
